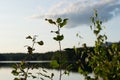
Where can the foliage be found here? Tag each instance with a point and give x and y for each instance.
(44, 74)
(59, 37)
(104, 63)
(31, 48)
(105, 60)
(22, 70)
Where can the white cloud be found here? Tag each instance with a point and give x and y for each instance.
(80, 11)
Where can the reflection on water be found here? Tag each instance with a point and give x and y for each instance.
(25, 61)
(5, 73)
(38, 63)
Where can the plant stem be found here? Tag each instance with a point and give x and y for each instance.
(26, 74)
(60, 59)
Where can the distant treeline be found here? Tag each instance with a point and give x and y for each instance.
(68, 53)
(25, 56)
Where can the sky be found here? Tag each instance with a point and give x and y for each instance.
(20, 18)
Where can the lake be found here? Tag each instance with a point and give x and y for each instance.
(5, 73)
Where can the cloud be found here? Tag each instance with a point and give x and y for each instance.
(80, 11)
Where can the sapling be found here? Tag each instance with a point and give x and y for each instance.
(59, 23)
(21, 71)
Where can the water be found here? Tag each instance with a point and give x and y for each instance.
(5, 74)
(25, 61)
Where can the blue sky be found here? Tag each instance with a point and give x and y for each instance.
(20, 18)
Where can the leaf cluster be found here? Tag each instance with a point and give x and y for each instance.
(33, 39)
(105, 60)
(44, 73)
(59, 23)
(21, 71)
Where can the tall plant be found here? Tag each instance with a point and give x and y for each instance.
(21, 71)
(104, 60)
(59, 23)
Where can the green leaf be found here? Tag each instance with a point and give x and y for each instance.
(63, 23)
(96, 32)
(77, 34)
(16, 79)
(41, 78)
(30, 50)
(69, 67)
(44, 71)
(101, 22)
(52, 74)
(59, 38)
(92, 18)
(91, 27)
(33, 76)
(15, 66)
(54, 64)
(22, 64)
(40, 43)
(80, 70)
(59, 20)
(57, 32)
(95, 13)
(55, 38)
(66, 72)
(15, 73)
(105, 37)
(75, 49)
(28, 37)
(29, 73)
(50, 21)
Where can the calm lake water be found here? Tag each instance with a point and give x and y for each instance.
(5, 73)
